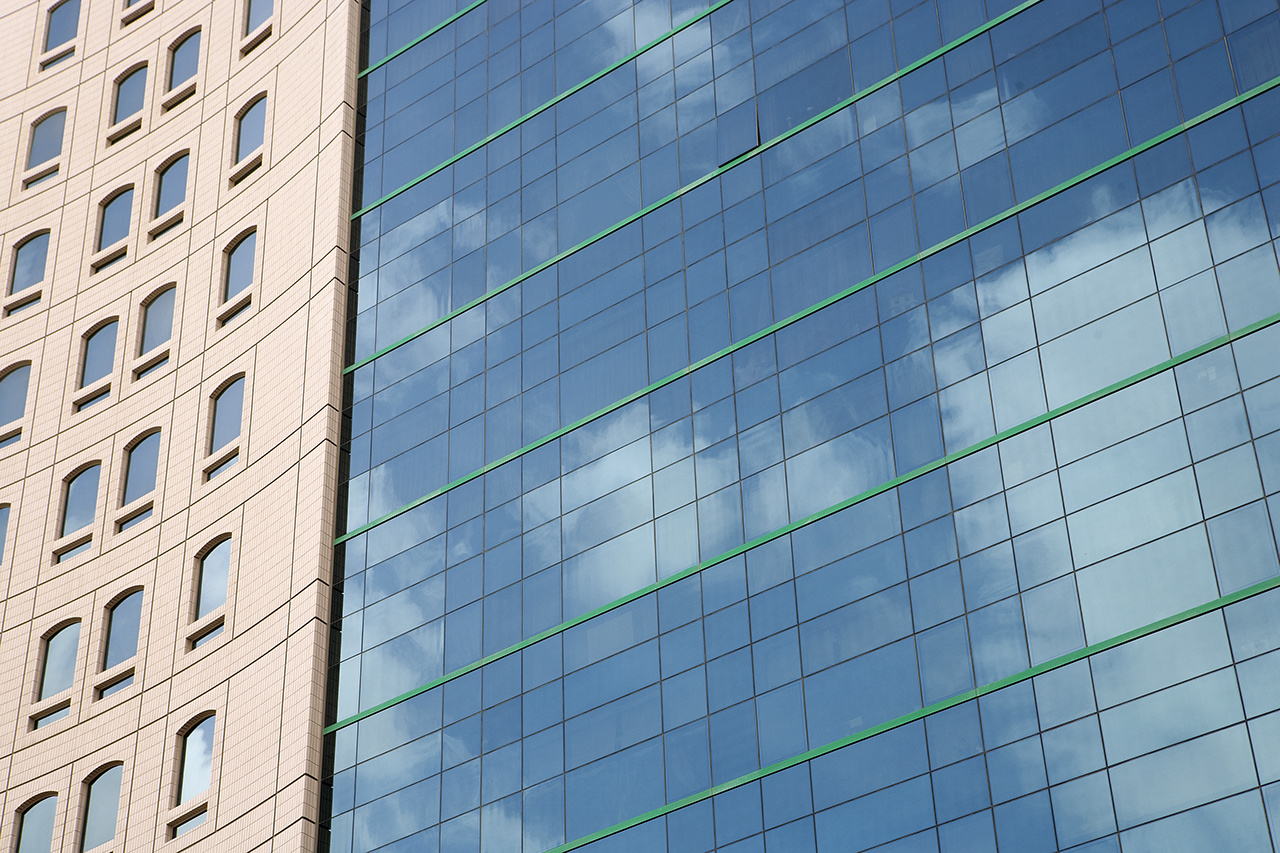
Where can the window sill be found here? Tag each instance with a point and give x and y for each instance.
(169, 220)
(103, 258)
(135, 514)
(10, 435)
(52, 57)
(226, 459)
(41, 173)
(96, 392)
(115, 681)
(149, 363)
(136, 11)
(242, 169)
(234, 308)
(178, 95)
(119, 131)
(72, 546)
(256, 37)
(22, 300)
(205, 633)
(49, 711)
(189, 817)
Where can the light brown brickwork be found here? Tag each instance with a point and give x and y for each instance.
(262, 676)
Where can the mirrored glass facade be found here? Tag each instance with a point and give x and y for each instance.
(812, 426)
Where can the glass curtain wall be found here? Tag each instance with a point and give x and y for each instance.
(812, 426)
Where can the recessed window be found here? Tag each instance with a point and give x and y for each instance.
(81, 500)
(172, 188)
(184, 60)
(140, 475)
(228, 406)
(124, 622)
(59, 668)
(13, 402)
(102, 808)
(115, 219)
(129, 94)
(257, 14)
(35, 826)
(157, 320)
(215, 565)
(197, 760)
(250, 128)
(240, 266)
(46, 139)
(29, 262)
(61, 27)
(99, 354)
(4, 529)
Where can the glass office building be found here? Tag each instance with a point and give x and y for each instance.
(812, 426)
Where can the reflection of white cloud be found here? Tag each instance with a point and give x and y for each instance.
(839, 469)
(1085, 249)
(503, 831)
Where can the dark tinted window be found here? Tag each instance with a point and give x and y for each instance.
(197, 760)
(173, 186)
(99, 354)
(157, 320)
(115, 219)
(59, 661)
(185, 60)
(46, 138)
(122, 629)
(29, 261)
(35, 826)
(129, 94)
(141, 476)
(213, 579)
(101, 809)
(252, 124)
(82, 500)
(63, 19)
(240, 265)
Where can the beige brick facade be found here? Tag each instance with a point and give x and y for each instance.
(262, 676)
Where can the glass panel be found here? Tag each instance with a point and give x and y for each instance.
(186, 59)
(259, 11)
(188, 824)
(173, 186)
(60, 661)
(46, 139)
(129, 94)
(81, 500)
(122, 629)
(197, 759)
(213, 579)
(103, 804)
(4, 529)
(141, 476)
(227, 409)
(115, 219)
(62, 24)
(240, 265)
(99, 354)
(35, 827)
(28, 265)
(157, 321)
(252, 124)
(13, 394)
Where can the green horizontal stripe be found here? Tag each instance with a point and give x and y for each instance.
(1036, 421)
(927, 711)
(781, 324)
(742, 158)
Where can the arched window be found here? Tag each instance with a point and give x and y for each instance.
(114, 225)
(81, 499)
(184, 60)
(228, 407)
(140, 468)
(29, 262)
(171, 188)
(58, 669)
(13, 402)
(99, 354)
(157, 320)
(46, 139)
(256, 15)
(124, 621)
(35, 825)
(130, 91)
(4, 529)
(195, 770)
(211, 591)
(102, 808)
(250, 128)
(61, 27)
(240, 266)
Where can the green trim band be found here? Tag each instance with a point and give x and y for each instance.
(927, 711)
(781, 324)
(420, 39)
(742, 158)
(631, 57)
(1018, 429)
